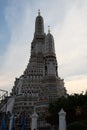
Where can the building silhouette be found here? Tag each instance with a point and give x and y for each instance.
(40, 83)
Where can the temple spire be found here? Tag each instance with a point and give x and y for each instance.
(39, 24)
(48, 29)
(39, 12)
(49, 44)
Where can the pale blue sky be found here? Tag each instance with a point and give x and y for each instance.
(68, 21)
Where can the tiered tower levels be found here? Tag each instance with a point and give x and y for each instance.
(40, 82)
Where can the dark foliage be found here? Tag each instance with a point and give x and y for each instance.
(75, 107)
(77, 126)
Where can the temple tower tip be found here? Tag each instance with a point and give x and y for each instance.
(39, 12)
(48, 29)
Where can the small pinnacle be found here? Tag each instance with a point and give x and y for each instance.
(38, 12)
(48, 29)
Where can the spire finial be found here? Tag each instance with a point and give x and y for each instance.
(48, 29)
(38, 12)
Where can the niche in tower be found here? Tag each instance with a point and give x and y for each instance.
(45, 70)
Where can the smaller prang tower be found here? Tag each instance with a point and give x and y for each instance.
(40, 82)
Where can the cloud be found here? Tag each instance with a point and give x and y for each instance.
(69, 28)
(76, 84)
(71, 42)
(17, 55)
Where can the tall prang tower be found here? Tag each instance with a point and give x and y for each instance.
(40, 82)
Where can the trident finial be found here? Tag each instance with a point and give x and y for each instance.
(38, 12)
(48, 29)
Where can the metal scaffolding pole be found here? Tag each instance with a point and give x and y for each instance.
(4, 96)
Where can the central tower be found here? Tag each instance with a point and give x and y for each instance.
(40, 82)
